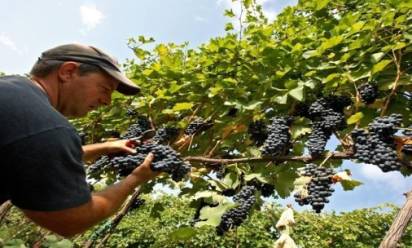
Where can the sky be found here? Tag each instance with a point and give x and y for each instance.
(29, 27)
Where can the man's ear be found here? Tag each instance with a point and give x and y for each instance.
(67, 71)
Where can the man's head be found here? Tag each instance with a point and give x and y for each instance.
(84, 78)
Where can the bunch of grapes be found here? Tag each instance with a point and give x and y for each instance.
(235, 216)
(258, 132)
(166, 135)
(165, 160)
(278, 141)
(317, 139)
(95, 170)
(142, 124)
(377, 145)
(265, 189)
(197, 125)
(368, 93)
(319, 187)
(131, 112)
(327, 116)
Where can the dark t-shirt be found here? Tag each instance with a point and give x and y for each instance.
(40, 151)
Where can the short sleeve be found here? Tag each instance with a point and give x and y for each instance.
(46, 172)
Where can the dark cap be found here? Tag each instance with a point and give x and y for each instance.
(92, 55)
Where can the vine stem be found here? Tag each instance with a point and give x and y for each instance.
(404, 128)
(330, 154)
(303, 158)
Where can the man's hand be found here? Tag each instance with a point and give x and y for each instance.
(143, 171)
(93, 151)
(121, 146)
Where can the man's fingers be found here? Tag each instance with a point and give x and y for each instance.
(132, 143)
(148, 160)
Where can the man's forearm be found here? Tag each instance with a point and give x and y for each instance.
(77, 220)
(110, 199)
(93, 151)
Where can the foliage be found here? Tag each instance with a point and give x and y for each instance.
(360, 228)
(314, 49)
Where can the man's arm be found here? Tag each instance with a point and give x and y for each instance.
(69, 222)
(93, 151)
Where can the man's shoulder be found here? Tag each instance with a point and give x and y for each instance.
(25, 110)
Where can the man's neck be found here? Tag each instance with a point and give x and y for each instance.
(45, 87)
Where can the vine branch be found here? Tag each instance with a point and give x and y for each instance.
(302, 158)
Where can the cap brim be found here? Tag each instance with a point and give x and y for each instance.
(126, 86)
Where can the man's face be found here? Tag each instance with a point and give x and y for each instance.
(84, 93)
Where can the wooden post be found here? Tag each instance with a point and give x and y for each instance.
(399, 225)
(114, 222)
(4, 209)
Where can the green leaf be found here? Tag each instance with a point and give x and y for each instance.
(298, 131)
(215, 91)
(231, 180)
(320, 4)
(297, 93)
(281, 99)
(376, 57)
(380, 66)
(310, 54)
(258, 176)
(355, 118)
(182, 106)
(183, 233)
(212, 215)
(252, 105)
(348, 185)
(329, 43)
(229, 26)
(284, 182)
(229, 13)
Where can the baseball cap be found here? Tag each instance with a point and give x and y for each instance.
(91, 55)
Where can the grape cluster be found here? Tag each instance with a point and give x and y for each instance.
(138, 202)
(258, 132)
(265, 189)
(319, 187)
(368, 93)
(94, 170)
(235, 216)
(165, 135)
(142, 124)
(197, 125)
(376, 145)
(165, 160)
(327, 116)
(131, 112)
(278, 141)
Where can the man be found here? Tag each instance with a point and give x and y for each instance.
(41, 154)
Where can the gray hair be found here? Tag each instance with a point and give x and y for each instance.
(42, 68)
